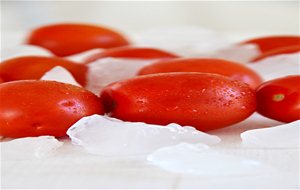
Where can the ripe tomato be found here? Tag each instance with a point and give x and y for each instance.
(273, 42)
(34, 67)
(278, 51)
(132, 53)
(205, 65)
(205, 101)
(34, 108)
(279, 99)
(68, 39)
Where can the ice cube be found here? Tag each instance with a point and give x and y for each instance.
(24, 50)
(29, 148)
(81, 57)
(184, 40)
(60, 74)
(107, 70)
(277, 66)
(111, 137)
(199, 159)
(281, 136)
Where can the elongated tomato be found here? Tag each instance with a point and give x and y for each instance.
(279, 99)
(34, 67)
(34, 108)
(231, 69)
(278, 51)
(130, 52)
(205, 101)
(273, 42)
(67, 39)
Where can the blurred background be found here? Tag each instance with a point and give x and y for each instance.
(229, 17)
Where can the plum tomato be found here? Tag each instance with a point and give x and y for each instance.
(34, 108)
(278, 51)
(230, 69)
(204, 101)
(279, 99)
(68, 39)
(34, 67)
(273, 42)
(132, 53)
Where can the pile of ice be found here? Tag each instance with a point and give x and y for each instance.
(107, 136)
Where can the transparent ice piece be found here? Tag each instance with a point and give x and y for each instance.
(60, 74)
(24, 50)
(277, 66)
(29, 148)
(108, 70)
(199, 159)
(281, 136)
(111, 137)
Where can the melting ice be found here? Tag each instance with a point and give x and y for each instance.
(29, 148)
(282, 136)
(111, 137)
(107, 70)
(60, 74)
(199, 159)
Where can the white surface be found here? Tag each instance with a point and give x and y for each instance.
(72, 167)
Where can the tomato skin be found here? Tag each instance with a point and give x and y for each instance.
(34, 108)
(205, 101)
(231, 69)
(67, 39)
(279, 99)
(278, 51)
(132, 53)
(273, 42)
(34, 67)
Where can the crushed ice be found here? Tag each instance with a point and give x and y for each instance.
(199, 159)
(107, 136)
(107, 70)
(60, 74)
(281, 136)
(24, 50)
(277, 66)
(29, 148)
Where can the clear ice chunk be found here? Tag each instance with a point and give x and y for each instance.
(281, 136)
(108, 70)
(29, 148)
(199, 159)
(60, 74)
(24, 50)
(277, 66)
(81, 57)
(107, 136)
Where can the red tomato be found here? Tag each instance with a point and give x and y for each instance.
(279, 99)
(34, 67)
(205, 101)
(278, 51)
(133, 53)
(273, 42)
(68, 39)
(231, 69)
(34, 108)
